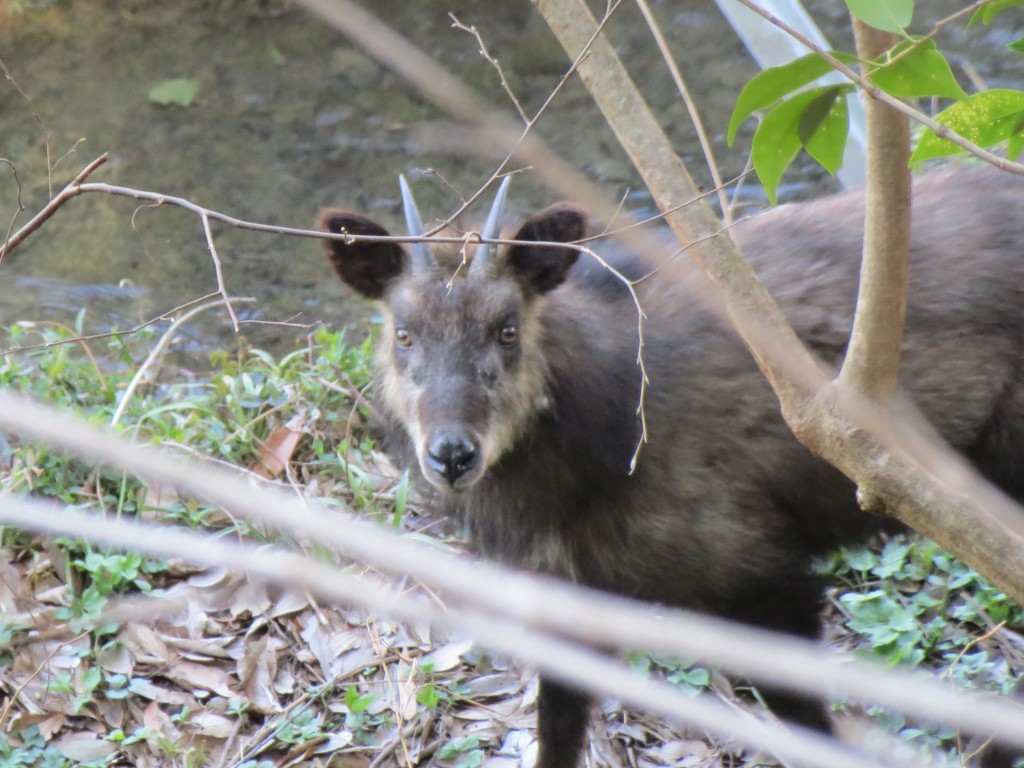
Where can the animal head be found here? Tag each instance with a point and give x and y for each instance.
(461, 362)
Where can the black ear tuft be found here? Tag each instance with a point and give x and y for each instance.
(546, 267)
(365, 266)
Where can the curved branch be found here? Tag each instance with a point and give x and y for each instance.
(71, 190)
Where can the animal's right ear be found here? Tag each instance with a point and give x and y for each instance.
(367, 267)
(544, 267)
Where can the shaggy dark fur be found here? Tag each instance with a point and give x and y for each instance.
(514, 395)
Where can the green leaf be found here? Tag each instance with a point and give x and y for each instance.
(860, 558)
(453, 749)
(355, 702)
(275, 55)
(767, 87)
(921, 72)
(989, 11)
(1015, 145)
(887, 15)
(786, 129)
(1017, 46)
(824, 127)
(428, 696)
(697, 677)
(179, 93)
(985, 119)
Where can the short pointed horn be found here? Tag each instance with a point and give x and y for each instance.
(421, 259)
(492, 228)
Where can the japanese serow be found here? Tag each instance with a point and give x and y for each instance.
(512, 389)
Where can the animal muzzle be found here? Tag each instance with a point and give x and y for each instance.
(452, 458)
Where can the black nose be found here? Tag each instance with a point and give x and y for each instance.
(451, 456)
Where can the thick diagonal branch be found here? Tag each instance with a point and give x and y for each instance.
(924, 484)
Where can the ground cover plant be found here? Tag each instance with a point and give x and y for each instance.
(242, 674)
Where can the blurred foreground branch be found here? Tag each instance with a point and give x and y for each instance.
(569, 661)
(507, 596)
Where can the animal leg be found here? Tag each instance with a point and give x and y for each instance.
(562, 716)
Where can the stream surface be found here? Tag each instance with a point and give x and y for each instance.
(289, 117)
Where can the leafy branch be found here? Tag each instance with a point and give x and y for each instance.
(910, 68)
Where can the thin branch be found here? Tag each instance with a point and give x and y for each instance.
(456, 24)
(40, 668)
(108, 334)
(158, 351)
(19, 209)
(691, 107)
(67, 154)
(71, 190)
(221, 288)
(395, 52)
(39, 121)
(661, 215)
(289, 323)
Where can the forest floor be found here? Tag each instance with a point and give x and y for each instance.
(228, 671)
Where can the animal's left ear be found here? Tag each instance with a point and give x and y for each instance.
(544, 267)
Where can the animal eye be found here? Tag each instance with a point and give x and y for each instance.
(509, 334)
(403, 338)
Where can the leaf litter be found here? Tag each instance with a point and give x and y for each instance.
(208, 667)
(247, 674)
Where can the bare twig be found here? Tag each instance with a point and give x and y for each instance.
(400, 55)
(19, 209)
(67, 154)
(662, 215)
(71, 190)
(39, 121)
(158, 351)
(218, 271)
(108, 334)
(456, 24)
(289, 323)
(5, 713)
(691, 107)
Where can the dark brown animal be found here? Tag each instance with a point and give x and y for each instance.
(513, 391)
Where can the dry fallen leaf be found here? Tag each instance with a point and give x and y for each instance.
(212, 725)
(159, 726)
(256, 672)
(84, 747)
(275, 452)
(207, 677)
